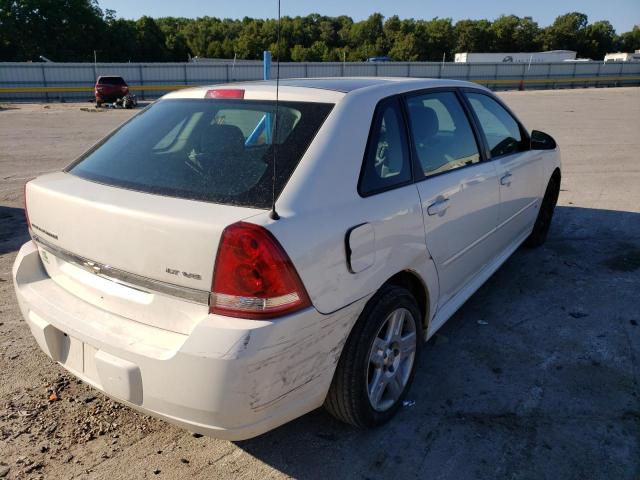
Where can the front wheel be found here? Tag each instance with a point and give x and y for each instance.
(378, 362)
(543, 221)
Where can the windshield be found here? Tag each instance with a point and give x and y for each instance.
(212, 150)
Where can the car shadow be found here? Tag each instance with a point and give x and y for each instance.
(13, 229)
(536, 376)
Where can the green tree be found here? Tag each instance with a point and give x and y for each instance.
(527, 36)
(249, 44)
(435, 38)
(150, 43)
(62, 31)
(404, 48)
(71, 30)
(123, 33)
(514, 34)
(504, 30)
(566, 32)
(599, 38)
(299, 54)
(318, 52)
(474, 36)
(392, 28)
(367, 31)
(175, 41)
(630, 41)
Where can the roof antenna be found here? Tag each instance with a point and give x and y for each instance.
(273, 214)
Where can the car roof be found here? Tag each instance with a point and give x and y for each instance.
(338, 84)
(334, 88)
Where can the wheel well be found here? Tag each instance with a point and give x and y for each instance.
(415, 285)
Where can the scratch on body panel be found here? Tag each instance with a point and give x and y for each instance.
(291, 366)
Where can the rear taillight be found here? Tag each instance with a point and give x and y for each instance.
(254, 277)
(99, 89)
(225, 93)
(26, 210)
(123, 88)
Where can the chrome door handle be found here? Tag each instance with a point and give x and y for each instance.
(438, 207)
(506, 179)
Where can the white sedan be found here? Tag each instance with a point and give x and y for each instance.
(229, 262)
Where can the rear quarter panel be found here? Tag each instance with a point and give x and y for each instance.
(320, 204)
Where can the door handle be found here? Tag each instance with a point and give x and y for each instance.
(506, 179)
(438, 207)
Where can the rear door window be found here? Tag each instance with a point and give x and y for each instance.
(500, 129)
(386, 163)
(442, 136)
(213, 150)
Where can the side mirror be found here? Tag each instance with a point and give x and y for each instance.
(542, 141)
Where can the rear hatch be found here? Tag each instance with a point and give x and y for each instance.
(145, 257)
(112, 87)
(133, 226)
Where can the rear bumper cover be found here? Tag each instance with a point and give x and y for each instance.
(111, 96)
(229, 378)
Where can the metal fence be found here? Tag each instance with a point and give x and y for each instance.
(74, 81)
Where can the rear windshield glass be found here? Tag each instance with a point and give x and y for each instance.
(212, 150)
(111, 81)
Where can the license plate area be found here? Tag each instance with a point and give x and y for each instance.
(79, 357)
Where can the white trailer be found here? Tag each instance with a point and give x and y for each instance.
(622, 57)
(521, 57)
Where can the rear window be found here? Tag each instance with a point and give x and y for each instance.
(211, 150)
(111, 81)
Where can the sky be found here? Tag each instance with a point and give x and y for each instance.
(623, 14)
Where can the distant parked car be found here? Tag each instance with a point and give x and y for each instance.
(110, 88)
(380, 59)
(159, 273)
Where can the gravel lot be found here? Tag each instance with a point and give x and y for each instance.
(537, 376)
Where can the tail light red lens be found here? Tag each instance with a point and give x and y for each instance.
(225, 93)
(254, 278)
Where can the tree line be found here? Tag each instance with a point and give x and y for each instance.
(70, 31)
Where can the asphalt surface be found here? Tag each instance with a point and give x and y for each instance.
(536, 376)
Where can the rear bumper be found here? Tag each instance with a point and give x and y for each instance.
(110, 97)
(229, 378)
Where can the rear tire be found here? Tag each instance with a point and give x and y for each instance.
(378, 361)
(541, 228)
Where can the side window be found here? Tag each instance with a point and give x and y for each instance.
(441, 133)
(500, 128)
(386, 162)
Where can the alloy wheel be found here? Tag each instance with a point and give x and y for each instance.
(391, 359)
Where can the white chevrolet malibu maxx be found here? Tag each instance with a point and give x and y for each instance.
(232, 257)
